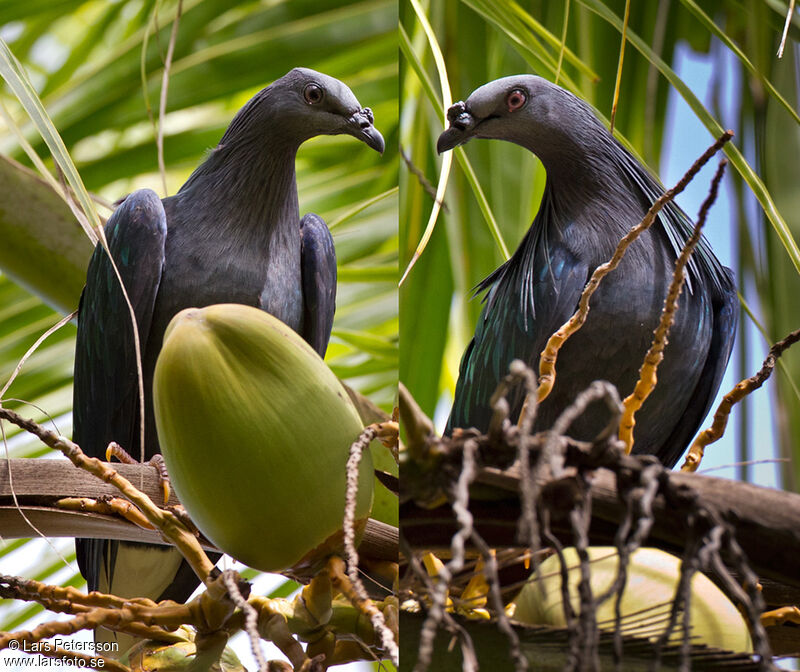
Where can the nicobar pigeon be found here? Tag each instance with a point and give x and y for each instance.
(232, 234)
(595, 192)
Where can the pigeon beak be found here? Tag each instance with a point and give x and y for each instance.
(363, 129)
(462, 123)
(452, 137)
(374, 139)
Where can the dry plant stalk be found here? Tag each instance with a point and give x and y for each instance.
(549, 356)
(444, 572)
(213, 613)
(344, 576)
(708, 534)
(166, 522)
(114, 506)
(132, 616)
(137, 616)
(648, 372)
(739, 392)
(427, 187)
(250, 617)
(72, 601)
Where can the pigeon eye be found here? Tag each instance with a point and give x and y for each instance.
(313, 94)
(516, 99)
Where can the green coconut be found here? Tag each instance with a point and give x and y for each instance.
(653, 577)
(255, 430)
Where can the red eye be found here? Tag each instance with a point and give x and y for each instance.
(313, 94)
(516, 99)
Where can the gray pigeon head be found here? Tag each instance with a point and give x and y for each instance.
(303, 104)
(524, 109)
(322, 105)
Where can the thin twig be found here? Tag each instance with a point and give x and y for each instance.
(588, 633)
(749, 463)
(70, 600)
(529, 524)
(447, 159)
(357, 449)
(438, 595)
(33, 349)
(566, 602)
(470, 658)
(563, 48)
(162, 106)
(681, 603)
(77, 209)
(743, 587)
(739, 392)
(250, 618)
(351, 498)
(424, 182)
(599, 390)
(15, 499)
(619, 64)
(648, 372)
(786, 25)
(496, 598)
(143, 63)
